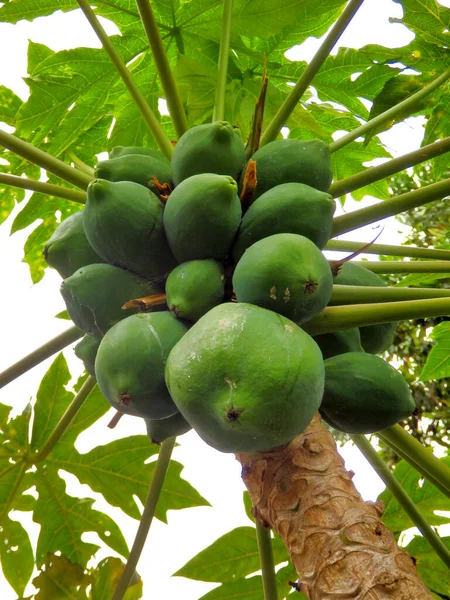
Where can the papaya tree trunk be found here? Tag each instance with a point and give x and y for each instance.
(337, 542)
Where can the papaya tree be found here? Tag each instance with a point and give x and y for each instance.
(193, 267)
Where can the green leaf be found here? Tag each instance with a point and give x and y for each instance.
(244, 589)
(119, 470)
(64, 519)
(248, 506)
(434, 573)
(9, 105)
(61, 579)
(427, 499)
(63, 315)
(52, 401)
(106, 577)
(427, 19)
(16, 555)
(232, 556)
(37, 53)
(437, 365)
(421, 279)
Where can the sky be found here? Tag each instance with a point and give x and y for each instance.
(28, 321)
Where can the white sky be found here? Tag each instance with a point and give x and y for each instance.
(28, 321)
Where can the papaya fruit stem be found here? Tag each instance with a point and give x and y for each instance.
(402, 497)
(336, 265)
(57, 191)
(335, 318)
(37, 356)
(173, 99)
(65, 421)
(44, 160)
(403, 109)
(391, 250)
(148, 513)
(388, 168)
(305, 494)
(146, 303)
(287, 108)
(160, 136)
(222, 70)
(357, 294)
(402, 266)
(265, 550)
(423, 460)
(116, 418)
(389, 208)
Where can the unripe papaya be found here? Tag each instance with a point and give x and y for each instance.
(194, 287)
(86, 351)
(246, 378)
(68, 249)
(287, 208)
(285, 273)
(210, 148)
(202, 216)
(339, 342)
(159, 430)
(126, 150)
(130, 364)
(285, 161)
(95, 294)
(364, 394)
(374, 338)
(135, 167)
(123, 221)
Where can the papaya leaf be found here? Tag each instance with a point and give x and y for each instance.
(437, 364)
(64, 519)
(63, 315)
(16, 555)
(248, 506)
(426, 497)
(244, 589)
(233, 556)
(106, 577)
(60, 579)
(36, 54)
(421, 279)
(9, 105)
(428, 19)
(119, 470)
(434, 573)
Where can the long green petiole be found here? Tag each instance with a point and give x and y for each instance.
(82, 166)
(288, 106)
(423, 460)
(148, 513)
(42, 187)
(402, 498)
(222, 69)
(409, 104)
(44, 160)
(389, 208)
(357, 294)
(267, 562)
(405, 266)
(410, 251)
(37, 356)
(174, 104)
(335, 318)
(148, 115)
(344, 186)
(65, 421)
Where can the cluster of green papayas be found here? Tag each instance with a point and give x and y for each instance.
(192, 278)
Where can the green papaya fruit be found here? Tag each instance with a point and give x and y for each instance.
(286, 273)
(202, 216)
(68, 249)
(135, 167)
(210, 148)
(287, 208)
(86, 351)
(123, 221)
(245, 378)
(364, 394)
(374, 338)
(94, 296)
(130, 362)
(339, 342)
(159, 430)
(194, 287)
(126, 150)
(289, 160)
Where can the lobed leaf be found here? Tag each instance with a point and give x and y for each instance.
(16, 555)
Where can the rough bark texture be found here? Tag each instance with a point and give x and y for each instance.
(337, 542)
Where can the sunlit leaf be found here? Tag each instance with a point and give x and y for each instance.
(16, 555)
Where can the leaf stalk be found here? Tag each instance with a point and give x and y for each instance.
(405, 266)
(57, 191)
(222, 70)
(357, 294)
(267, 563)
(390, 250)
